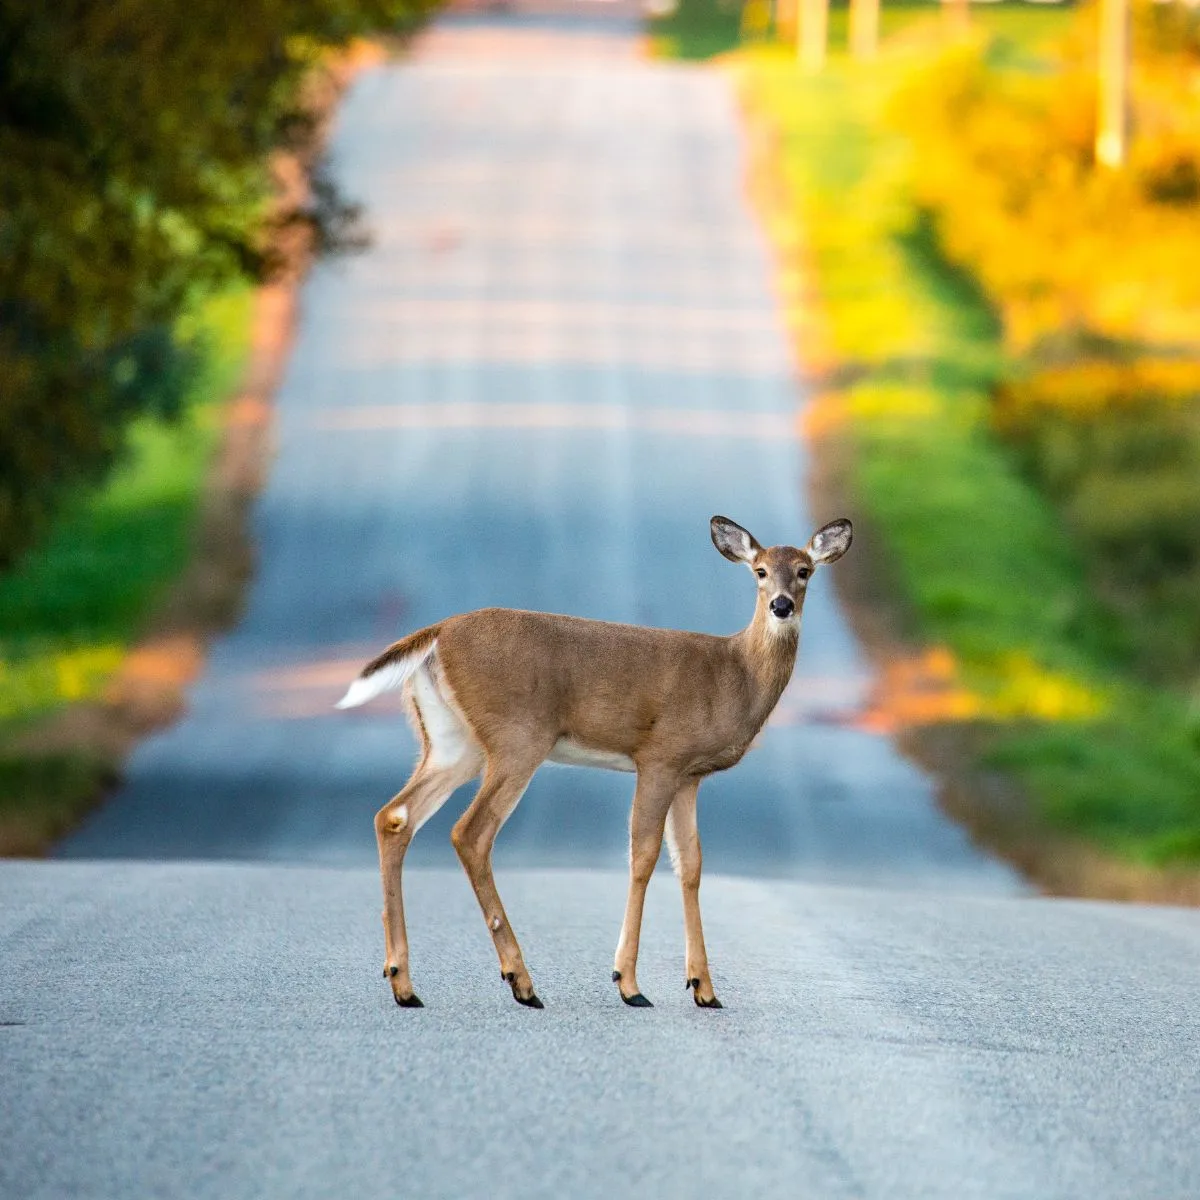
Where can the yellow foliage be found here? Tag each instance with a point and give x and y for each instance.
(1094, 386)
(756, 19)
(928, 689)
(1027, 690)
(40, 681)
(891, 401)
(1005, 162)
(82, 672)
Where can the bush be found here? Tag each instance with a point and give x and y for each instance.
(1117, 446)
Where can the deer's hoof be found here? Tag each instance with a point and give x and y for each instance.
(410, 1001)
(701, 1002)
(637, 1000)
(530, 1001)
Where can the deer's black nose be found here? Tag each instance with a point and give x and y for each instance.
(783, 607)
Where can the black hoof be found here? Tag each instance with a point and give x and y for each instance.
(713, 1003)
(637, 1000)
(530, 1001)
(413, 1001)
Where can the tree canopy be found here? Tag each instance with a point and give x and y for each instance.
(134, 137)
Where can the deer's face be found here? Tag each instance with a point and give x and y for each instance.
(781, 572)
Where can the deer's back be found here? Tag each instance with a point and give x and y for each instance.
(622, 689)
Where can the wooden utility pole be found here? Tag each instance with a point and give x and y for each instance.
(1114, 83)
(785, 19)
(958, 16)
(864, 28)
(814, 33)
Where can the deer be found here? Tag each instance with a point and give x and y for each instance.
(497, 692)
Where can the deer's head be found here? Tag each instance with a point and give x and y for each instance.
(781, 572)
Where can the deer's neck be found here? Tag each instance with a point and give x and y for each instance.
(768, 648)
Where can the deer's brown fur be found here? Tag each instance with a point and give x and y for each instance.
(500, 691)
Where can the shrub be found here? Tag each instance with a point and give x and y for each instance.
(1117, 446)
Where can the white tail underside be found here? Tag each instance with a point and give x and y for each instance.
(387, 679)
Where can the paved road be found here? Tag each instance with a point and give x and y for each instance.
(561, 356)
(221, 1031)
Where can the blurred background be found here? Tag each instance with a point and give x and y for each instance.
(322, 319)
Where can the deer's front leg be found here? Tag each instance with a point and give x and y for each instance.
(683, 840)
(651, 800)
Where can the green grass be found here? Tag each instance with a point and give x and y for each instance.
(80, 596)
(982, 561)
(700, 29)
(74, 605)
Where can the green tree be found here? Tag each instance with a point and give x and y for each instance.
(134, 138)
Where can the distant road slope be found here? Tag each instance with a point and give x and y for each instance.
(562, 353)
(221, 1031)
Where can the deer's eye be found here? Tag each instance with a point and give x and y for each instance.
(804, 572)
(761, 573)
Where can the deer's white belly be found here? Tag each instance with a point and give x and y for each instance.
(574, 754)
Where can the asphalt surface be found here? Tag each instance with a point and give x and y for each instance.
(562, 354)
(222, 1031)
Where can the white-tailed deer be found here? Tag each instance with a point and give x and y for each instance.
(499, 691)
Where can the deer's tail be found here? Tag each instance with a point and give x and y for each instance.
(393, 668)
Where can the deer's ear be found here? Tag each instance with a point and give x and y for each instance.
(831, 541)
(736, 543)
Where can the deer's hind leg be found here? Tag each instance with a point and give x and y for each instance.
(683, 841)
(447, 762)
(505, 779)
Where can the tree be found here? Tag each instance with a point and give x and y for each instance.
(135, 137)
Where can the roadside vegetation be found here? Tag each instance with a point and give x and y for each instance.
(141, 143)
(74, 605)
(1007, 372)
(154, 160)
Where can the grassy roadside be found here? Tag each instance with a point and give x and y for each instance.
(72, 611)
(1052, 751)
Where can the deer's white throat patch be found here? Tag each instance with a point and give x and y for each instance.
(786, 627)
